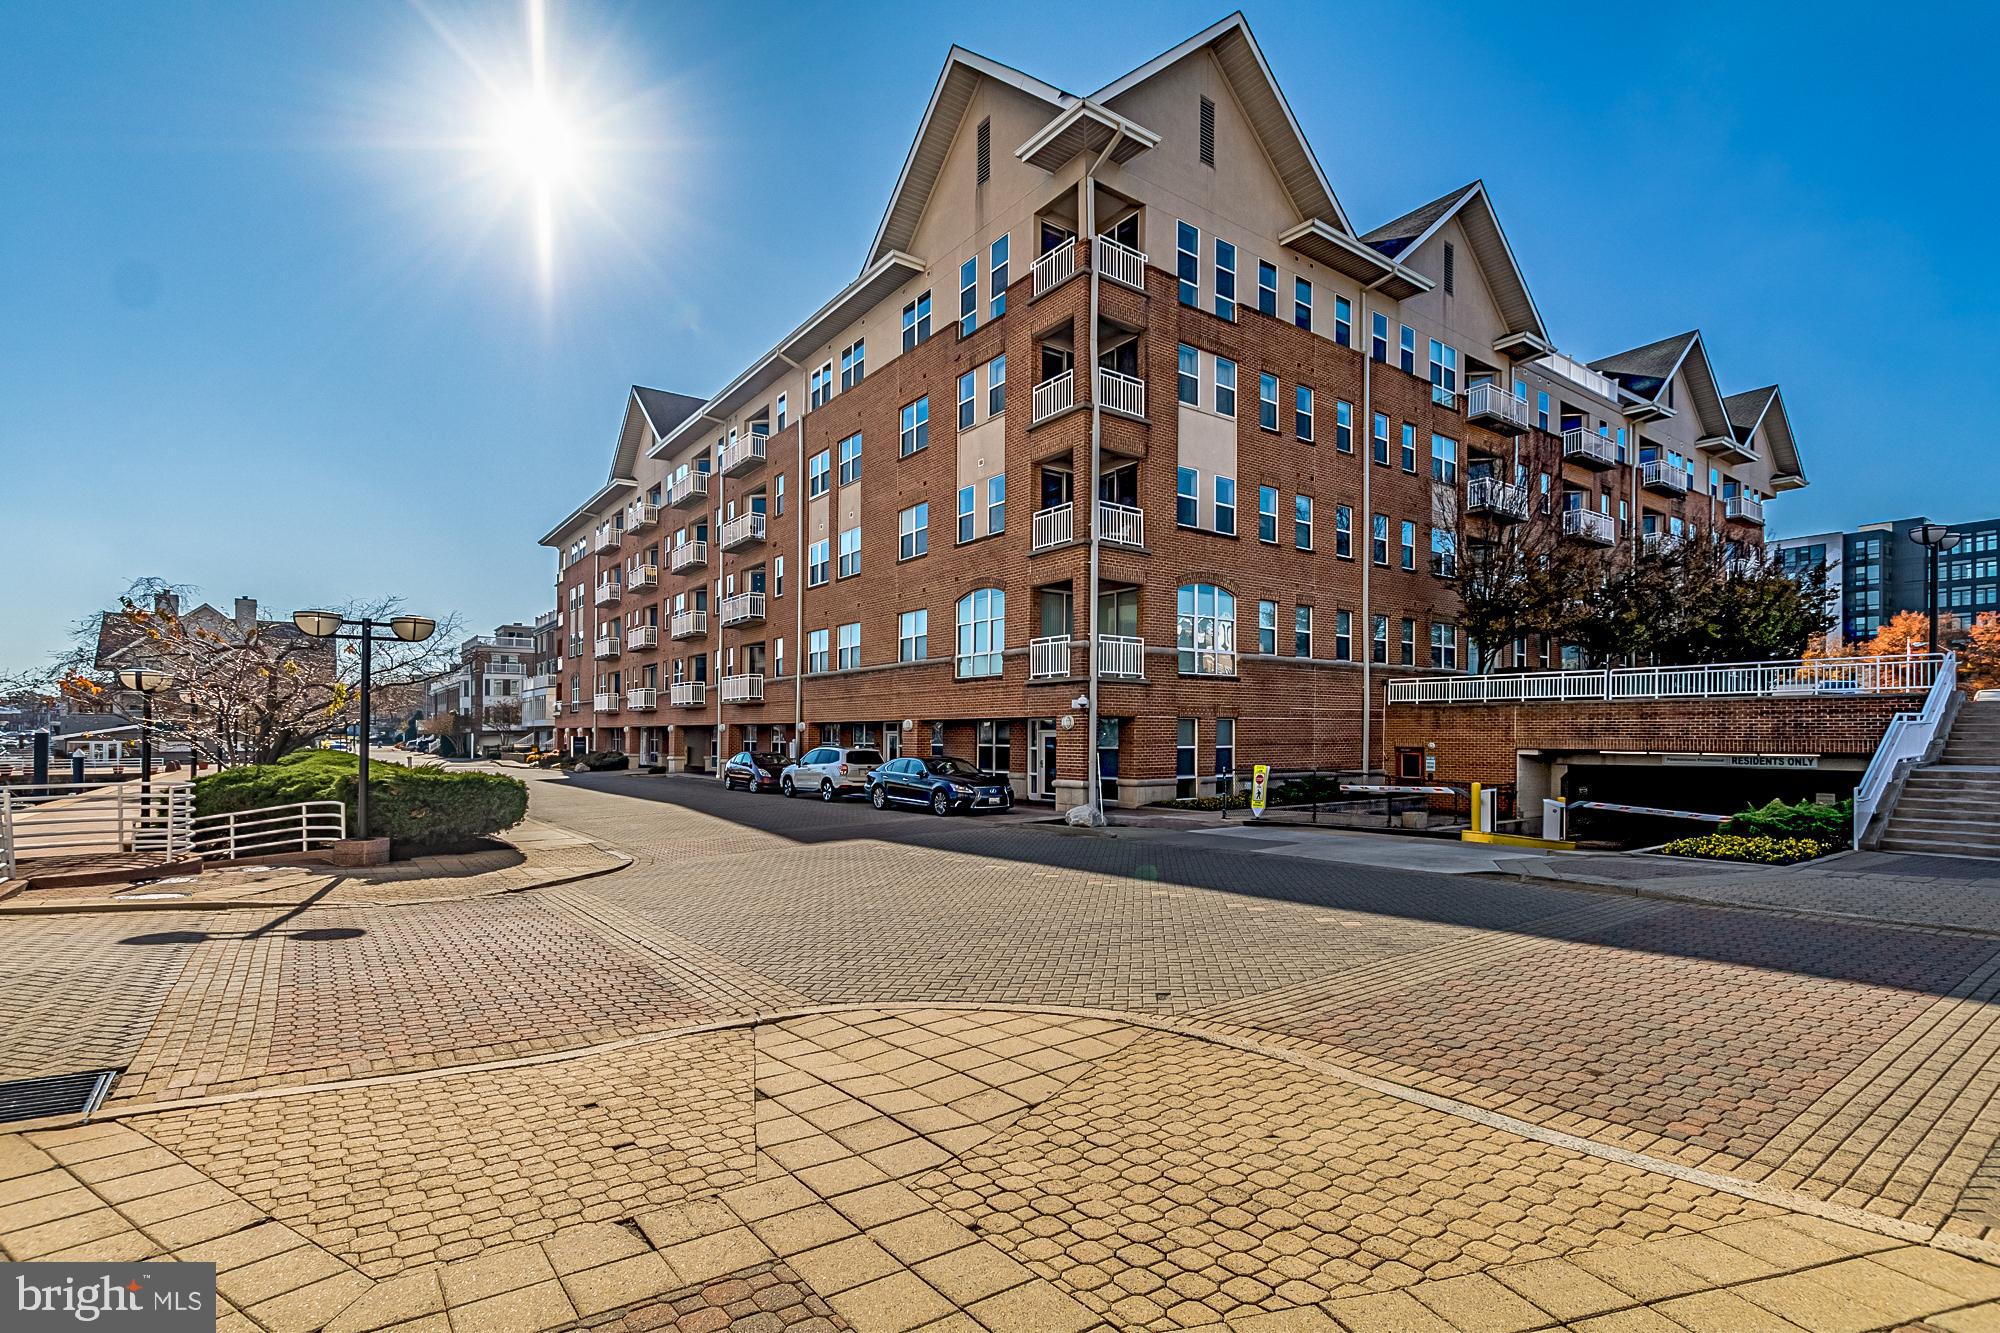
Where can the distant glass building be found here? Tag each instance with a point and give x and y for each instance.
(1876, 570)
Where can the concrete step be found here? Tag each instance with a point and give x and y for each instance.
(1976, 828)
(1939, 807)
(1901, 845)
(1930, 840)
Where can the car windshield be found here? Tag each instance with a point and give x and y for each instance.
(952, 767)
(770, 760)
(864, 757)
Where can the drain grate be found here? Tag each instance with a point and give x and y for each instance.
(58, 1094)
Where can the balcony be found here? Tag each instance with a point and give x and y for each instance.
(1656, 543)
(1586, 446)
(608, 593)
(1055, 268)
(1052, 527)
(1121, 393)
(1664, 477)
(642, 636)
(1119, 262)
(645, 576)
(688, 555)
(745, 689)
(1053, 397)
(1587, 525)
(607, 647)
(605, 703)
(745, 608)
(1048, 658)
(643, 700)
(743, 530)
(606, 538)
(1121, 657)
(1489, 404)
(1499, 500)
(688, 491)
(640, 515)
(740, 455)
(687, 694)
(1120, 525)
(1744, 508)
(687, 625)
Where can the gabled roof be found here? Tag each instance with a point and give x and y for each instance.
(1644, 372)
(1765, 408)
(1471, 205)
(1747, 409)
(650, 414)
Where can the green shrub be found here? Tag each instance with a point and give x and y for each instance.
(1758, 850)
(1240, 801)
(419, 809)
(1807, 819)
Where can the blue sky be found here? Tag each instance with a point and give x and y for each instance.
(270, 325)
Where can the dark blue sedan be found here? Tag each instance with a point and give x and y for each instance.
(941, 782)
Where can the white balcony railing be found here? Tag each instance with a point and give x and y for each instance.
(1745, 507)
(1497, 499)
(687, 694)
(1121, 393)
(1053, 396)
(1121, 657)
(1586, 446)
(1052, 527)
(740, 455)
(642, 636)
(688, 490)
(1661, 475)
(1491, 404)
(605, 703)
(1048, 657)
(1820, 676)
(744, 689)
(609, 592)
(640, 515)
(745, 608)
(1656, 543)
(607, 647)
(688, 555)
(606, 538)
(1119, 262)
(644, 576)
(642, 700)
(743, 530)
(687, 625)
(1443, 396)
(1055, 268)
(1590, 526)
(1120, 525)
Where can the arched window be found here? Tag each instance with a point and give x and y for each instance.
(982, 631)
(1205, 630)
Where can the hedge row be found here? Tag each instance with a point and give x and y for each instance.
(418, 809)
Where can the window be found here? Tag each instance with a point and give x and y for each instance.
(1343, 531)
(1302, 412)
(1302, 522)
(1205, 630)
(1225, 506)
(1186, 731)
(968, 296)
(1343, 636)
(1444, 647)
(850, 460)
(1379, 540)
(778, 492)
(1267, 401)
(1378, 336)
(967, 393)
(996, 268)
(1267, 514)
(1406, 350)
(1409, 642)
(982, 631)
(784, 410)
(819, 386)
(1343, 426)
(778, 658)
(1302, 631)
(994, 747)
(983, 172)
(1542, 411)
(850, 553)
(853, 364)
(1381, 439)
(1444, 373)
(1381, 649)
(1225, 279)
(1267, 628)
(1302, 303)
(996, 386)
(849, 647)
(1188, 262)
(1343, 321)
(1187, 488)
(1267, 287)
(1190, 376)
(1207, 140)
(1444, 554)
(1225, 386)
(819, 469)
(1444, 459)
(913, 532)
(965, 504)
(916, 321)
(996, 503)
(1409, 448)
(1409, 544)
(818, 659)
(916, 427)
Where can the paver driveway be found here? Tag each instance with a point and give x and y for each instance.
(809, 1066)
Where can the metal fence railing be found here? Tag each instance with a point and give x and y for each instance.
(40, 821)
(1912, 674)
(268, 830)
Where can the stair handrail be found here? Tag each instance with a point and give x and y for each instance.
(1906, 740)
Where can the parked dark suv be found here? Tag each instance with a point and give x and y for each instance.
(942, 782)
(753, 771)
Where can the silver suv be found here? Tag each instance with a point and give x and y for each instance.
(830, 770)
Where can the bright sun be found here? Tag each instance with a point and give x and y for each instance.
(540, 142)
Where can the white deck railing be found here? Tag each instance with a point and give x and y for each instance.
(743, 689)
(687, 694)
(690, 489)
(1663, 476)
(688, 555)
(740, 454)
(1048, 657)
(643, 636)
(1907, 740)
(1119, 262)
(604, 703)
(1052, 527)
(640, 515)
(1118, 392)
(1055, 268)
(1746, 507)
(1054, 395)
(1590, 526)
(1121, 525)
(687, 624)
(644, 576)
(607, 647)
(1490, 401)
(1121, 656)
(609, 592)
(643, 699)
(1491, 495)
(111, 819)
(1583, 445)
(744, 608)
(269, 830)
(1833, 677)
(606, 538)
(742, 530)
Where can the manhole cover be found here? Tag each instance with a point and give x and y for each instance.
(58, 1094)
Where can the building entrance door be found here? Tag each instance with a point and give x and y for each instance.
(1041, 760)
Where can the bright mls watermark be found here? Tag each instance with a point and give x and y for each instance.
(155, 1298)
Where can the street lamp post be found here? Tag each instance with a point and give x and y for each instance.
(1934, 538)
(145, 682)
(402, 629)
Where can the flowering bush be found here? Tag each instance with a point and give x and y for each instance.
(1759, 850)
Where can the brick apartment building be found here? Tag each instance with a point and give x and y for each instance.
(876, 531)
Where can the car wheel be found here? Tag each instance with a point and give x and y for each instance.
(940, 803)
(826, 789)
(879, 798)
(785, 786)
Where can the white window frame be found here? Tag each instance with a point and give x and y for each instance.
(913, 531)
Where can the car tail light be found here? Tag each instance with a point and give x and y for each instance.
(843, 768)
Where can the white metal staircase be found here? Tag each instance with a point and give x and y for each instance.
(1952, 804)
